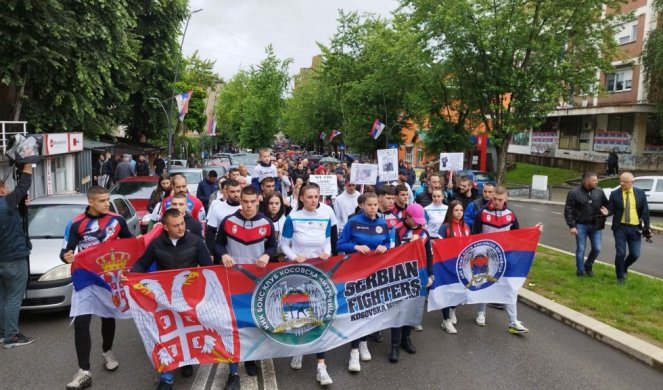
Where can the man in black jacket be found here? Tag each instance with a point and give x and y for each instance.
(433, 182)
(175, 248)
(465, 193)
(13, 262)
(142, 166)
(585, 212)
(179, 202)
(631, 216)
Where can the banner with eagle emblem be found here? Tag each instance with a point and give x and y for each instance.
(482, 268)
(217, 314)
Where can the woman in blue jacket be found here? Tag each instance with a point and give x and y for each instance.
(364, 233)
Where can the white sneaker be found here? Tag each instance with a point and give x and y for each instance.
(363, 351)
(81, 380)
(452, 316)
(322, 376)
(448, 327)
(481, 319)
(296, 362)
(517, 328)
(418, 328)
(110, 363)
(353, 365)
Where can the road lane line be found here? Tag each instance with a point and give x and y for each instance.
(555, 212)
(202, 376)
(517, 205)
(220, 376)
(246, 382)
(268, 375)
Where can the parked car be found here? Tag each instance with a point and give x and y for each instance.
(479, 178)
(193, 176)
(179, 163)
(137, 189)
(653, 187)
(50, 286)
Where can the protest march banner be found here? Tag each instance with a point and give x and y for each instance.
(482, 268)
(388, 164)
(363, 174)
(451, 161)
(328, 184)
(216, 314)
(96, 272)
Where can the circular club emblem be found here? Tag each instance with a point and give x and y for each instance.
(378, 229)
(294, 304)
(481, 264)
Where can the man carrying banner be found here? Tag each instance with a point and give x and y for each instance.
(364, 233)
(178, 202)
(245, 237)
(175, 248)
(92, 227)
(497, 217)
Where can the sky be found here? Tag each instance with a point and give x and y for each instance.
(234, 33)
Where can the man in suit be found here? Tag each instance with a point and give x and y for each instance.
(631, 215)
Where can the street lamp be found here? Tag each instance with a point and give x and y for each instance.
(167, 121)
(171, 129)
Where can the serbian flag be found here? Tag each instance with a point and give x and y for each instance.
(376, 129)
(322, 136)
(334, 134)
(483, 268)
(96, 273)
(211, 126)
(215, 314)
(183, 103)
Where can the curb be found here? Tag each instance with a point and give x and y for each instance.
(624, 342)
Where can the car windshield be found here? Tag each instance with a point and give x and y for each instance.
(483, 177)
(50, 220)
(135, 189)
(249, 159)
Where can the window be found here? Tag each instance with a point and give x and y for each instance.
(619, 81)
(123, 209)
(644, 184)
(627, 33)
(659, 185)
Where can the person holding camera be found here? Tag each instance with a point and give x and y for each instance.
(14, 270)
(585, 211)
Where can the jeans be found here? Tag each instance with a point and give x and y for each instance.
(13, 281)
(167, 377)
(511, 311)
(594, 235)
(626, 235)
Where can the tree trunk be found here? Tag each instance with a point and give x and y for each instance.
(501, 159)
(18, 102)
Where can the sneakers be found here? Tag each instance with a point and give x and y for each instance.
(481, 319)
(517, 328)
(452, 316)
(364, 353)
(296, 362)
(418, 328)
(251, 368)
(232, 383)
(353, 365)
(448, 326)
(17, 341)
(377, 337)
(322, 376)
(81, 380)
(110, 363)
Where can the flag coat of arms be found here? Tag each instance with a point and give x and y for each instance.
(217, 314)
(183, 103)
(96, 273)
(376, 129)
(482, 268)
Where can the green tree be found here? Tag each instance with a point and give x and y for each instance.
(513, 60)
(230, 105)
(652, 61)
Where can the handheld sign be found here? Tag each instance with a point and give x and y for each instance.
(388, 164)
(328, 184)
(364, 174)
(451, 161)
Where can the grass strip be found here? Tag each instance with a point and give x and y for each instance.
(522, 174)
(635, 308)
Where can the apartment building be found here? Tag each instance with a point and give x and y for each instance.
(581, 133)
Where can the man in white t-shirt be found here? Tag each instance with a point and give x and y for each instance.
(219, 209)
(346, 204)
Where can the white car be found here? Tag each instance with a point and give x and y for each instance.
(653, 187)
(50, 285)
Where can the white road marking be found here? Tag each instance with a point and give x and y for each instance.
(268, 375)
(555, 212)
(202, 376)
(516, 205)
(221, 376)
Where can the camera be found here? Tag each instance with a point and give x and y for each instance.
(24, 149)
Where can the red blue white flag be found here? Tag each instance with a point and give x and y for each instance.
(183, 103)
(334, 134)
(482, 268)
(376, 129)
(217, 314)
(322, 136)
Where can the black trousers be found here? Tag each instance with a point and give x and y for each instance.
(83, 341)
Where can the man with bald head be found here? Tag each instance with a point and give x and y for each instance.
(630, 221)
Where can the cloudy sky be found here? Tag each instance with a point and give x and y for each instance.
(235, 33)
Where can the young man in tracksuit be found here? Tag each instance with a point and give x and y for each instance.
(175, 248)
(365, 232)
(245, 237)
(93, 227)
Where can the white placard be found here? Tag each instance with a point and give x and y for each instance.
(328, 184)
(540, 182)
(451, 161)
(364, 174)
(388, 164)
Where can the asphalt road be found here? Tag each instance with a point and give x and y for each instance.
(552, 356)
(556, 234)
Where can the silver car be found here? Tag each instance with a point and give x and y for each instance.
(50, 285)
(193, 177)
